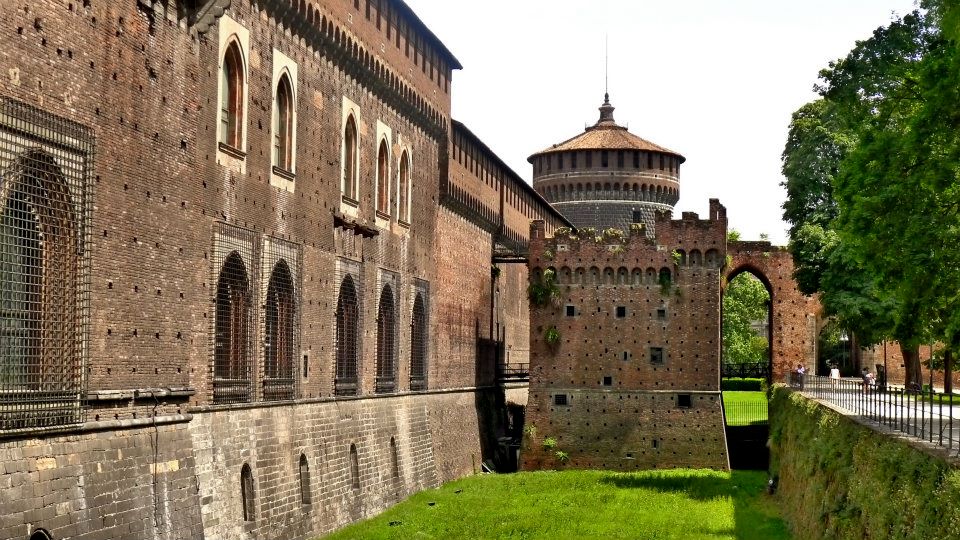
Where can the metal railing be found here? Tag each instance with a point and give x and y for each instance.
(931, 416)
(513, 371)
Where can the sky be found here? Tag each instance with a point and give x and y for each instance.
(715, 80)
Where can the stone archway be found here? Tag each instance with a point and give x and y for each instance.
(792, 315)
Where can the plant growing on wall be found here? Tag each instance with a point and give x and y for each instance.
(562, 456)
(544, 290)
(552, 336)
(677, 257)
(637, 228)
(613, 234)
(561, 231)
(587, 232)
(548, 254)
(549, 443)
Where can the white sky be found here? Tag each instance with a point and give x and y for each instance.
(715, 80)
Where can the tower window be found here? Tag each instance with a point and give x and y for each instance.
(684, 401)
(607, 380)
(283, 125)
(604, 158)
(231, 97)
(383, 178)
(573, 160)
(351, 166)
(571, 311)
(589, 159)
(621, 312)
(656, 355)
(620, 158)
(560, 400)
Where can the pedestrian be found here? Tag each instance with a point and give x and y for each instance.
(835, 376)
(867, 378)
(800, 372)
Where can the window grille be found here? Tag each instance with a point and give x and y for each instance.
(231, 97)
(235, 256)
(419, 336)
(656, 355)
(281, 319)
(348, 328)
(45, 198)
(386, 342)
(560, 400)
(246, 493)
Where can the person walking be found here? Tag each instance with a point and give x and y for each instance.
(835, 376)
(800, 373)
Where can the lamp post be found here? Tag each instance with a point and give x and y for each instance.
(843, 340)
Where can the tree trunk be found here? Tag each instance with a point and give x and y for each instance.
(948, 371)
(911, 363)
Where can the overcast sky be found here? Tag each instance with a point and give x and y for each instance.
(715, 80)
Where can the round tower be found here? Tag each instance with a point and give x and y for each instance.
(608, 177)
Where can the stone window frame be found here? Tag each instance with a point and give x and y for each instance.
(306, 492)
(684, 401)
(657, 356)
(233, 34)
(281, 270)
(354, 463)
(420, 336)
(248, 493)
(388, 339)
(283, 171)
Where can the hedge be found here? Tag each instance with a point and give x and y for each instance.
(743, 385)
(840, 479)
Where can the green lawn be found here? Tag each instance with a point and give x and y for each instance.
(745, 408)
(681, 504)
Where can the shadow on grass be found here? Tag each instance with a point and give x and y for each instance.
(755, 512)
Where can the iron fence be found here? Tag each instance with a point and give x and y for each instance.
(513, 371)
(757, 370)
(930, 416)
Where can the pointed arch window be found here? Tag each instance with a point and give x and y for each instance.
(232, 75)
(383, 179)
(246, 493)
(354, 468)
(41, 308)
(231, 373)
(347, 320)
(283, 125)
(403, 181)
(279, 335)
(386, 342)
(350, 159)
(305, 492)
(418, 345)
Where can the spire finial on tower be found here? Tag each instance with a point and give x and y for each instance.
(606, 68)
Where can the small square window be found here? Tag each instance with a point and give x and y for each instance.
(656, 355)
(655, 444)
(662, 314)
(571, 311)
(560, 399)
(621, 312)
(626, 356)
(608, 381)
(684, 401)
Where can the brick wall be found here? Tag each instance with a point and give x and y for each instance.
(614, 315)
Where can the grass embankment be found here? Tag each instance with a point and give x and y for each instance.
(845, 481)
(745, 408)
(681, 504)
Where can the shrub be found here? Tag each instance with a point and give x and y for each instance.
(743, 385)
(552, 336)
(549, 443)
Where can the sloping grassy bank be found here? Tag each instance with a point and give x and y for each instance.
(670, 504)
(840, 479)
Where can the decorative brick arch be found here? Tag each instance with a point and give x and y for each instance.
(793, 315)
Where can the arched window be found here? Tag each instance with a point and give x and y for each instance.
(351, 163)
(418, 345)
(231, 97)
(231, 375)
(40, 534)
(347, 329)
(386, 342)
(246, 493)
(354, 468)
(394, 459)
(41, 316)
(283, 115)
(305, 496)
(404, 187)
(279, 335)
(383, 178)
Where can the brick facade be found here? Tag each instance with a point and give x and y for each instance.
(159, 450)
(636, 368)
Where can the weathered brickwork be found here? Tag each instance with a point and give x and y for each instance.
(793, 316)
(633, 381)
(171, 204)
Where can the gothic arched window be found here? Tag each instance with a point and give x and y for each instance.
(283, 125)
(418, 345)
(231, 97)
(383, 178)
(279, 335)
(348, 321)
(404, 188)
(351, 163)
(231, 374)
(386, 342)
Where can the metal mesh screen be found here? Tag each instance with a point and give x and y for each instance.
(281, 319)
(348, 329)
(386, 342)
(45, 198)
(234, 262)
(419, 333)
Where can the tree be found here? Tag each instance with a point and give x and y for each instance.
(745, 302)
